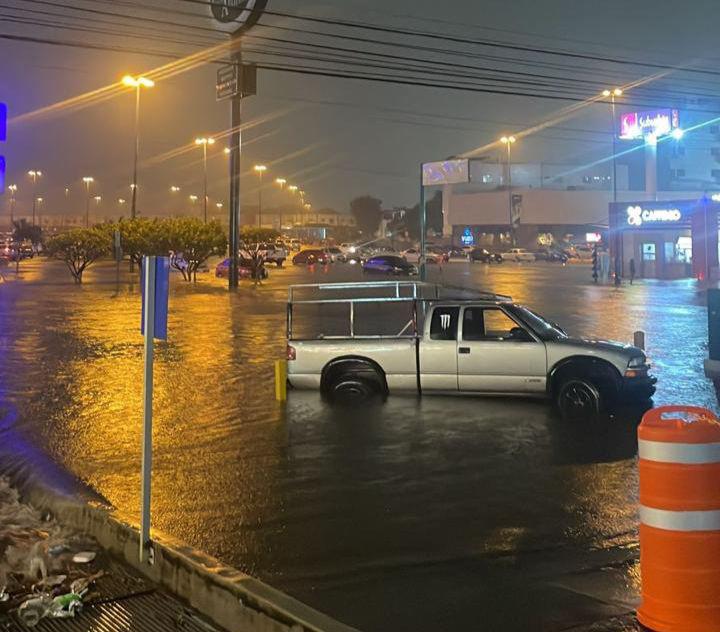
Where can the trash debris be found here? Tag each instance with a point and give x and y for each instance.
(84, 557)
(33, 610)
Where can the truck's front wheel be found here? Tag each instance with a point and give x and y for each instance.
(579, 399)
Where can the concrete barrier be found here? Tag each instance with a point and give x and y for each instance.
(228, 597)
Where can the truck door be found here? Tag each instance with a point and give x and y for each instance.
(438, 351)
(496, 354)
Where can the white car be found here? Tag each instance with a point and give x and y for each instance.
(348, 248)
(518, 254)
(412, 255)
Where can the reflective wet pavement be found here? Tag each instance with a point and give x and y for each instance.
(444, 513)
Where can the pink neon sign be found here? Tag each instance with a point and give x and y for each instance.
(639, 125)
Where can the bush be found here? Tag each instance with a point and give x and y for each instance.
(79, 249)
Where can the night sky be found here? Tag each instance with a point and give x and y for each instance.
(338, 138)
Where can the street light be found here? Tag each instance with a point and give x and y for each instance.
(615, 92)
(88, 180)
(281, 181)
(39, 203)
(138, 83)
(13, 190)
(508, 142)
(204, 142)
(34, 175)
(174, 189)
(227, 151)
(260, 170)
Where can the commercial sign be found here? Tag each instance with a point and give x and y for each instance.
(244, 12)
(637, 215)
(467, 238)
(228, 82)
(446, 172)
(639, 125)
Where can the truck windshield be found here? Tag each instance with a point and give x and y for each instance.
(543, 328)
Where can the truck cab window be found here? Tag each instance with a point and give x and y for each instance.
(444, 323)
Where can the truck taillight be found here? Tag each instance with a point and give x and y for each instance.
(291, 352)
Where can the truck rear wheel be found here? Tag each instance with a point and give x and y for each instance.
(350, 389)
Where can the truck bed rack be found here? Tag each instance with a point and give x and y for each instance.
(416, 292)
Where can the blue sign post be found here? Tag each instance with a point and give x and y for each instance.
(155, 288)
(3, 138)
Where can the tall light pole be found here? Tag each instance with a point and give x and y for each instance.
(204, 142)
(13, 190)
(613, 94)
(193, 200)
(39, 205)
(508, 142)
(34, 176)
(138, 83)
(260, 170)
(87, 180)
(281, 182)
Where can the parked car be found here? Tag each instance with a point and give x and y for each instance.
(518, 254)
(335, 254)
(551, 254)
(389, 264)
(412, 255)
(455, 254)
(222, 270)
(311, 256)
(272, 253)
(474, 346)
(348, 248)
(482, 255)
(295, 245)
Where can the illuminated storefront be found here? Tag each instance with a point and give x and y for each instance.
(667, 240)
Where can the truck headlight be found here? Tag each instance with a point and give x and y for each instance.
(638, 362)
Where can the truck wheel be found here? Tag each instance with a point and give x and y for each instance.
(350, 389)
(579, 400)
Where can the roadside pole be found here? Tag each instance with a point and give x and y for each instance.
(235, 155)
(423, 228)
(155, 285)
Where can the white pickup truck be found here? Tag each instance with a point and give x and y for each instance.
(486, 345)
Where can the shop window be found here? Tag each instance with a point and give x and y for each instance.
(648, 252)
(669, 251)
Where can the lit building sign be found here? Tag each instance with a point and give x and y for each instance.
(446, 172)
(467, 238)
(593, 238)
(637, 215)
(640, 125)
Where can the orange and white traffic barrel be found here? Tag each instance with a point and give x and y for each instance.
(679, 449)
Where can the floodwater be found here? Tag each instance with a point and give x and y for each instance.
(441, 513)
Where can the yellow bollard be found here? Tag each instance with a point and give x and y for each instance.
(281, 380)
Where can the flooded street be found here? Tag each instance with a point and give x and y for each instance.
(420, 514)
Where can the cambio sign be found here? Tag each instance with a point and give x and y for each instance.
(637, 215)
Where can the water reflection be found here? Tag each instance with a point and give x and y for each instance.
(326, 502)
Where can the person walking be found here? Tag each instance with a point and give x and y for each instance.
(632, 270)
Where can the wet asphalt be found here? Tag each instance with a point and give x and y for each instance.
(440, 513)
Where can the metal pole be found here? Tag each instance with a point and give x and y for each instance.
(133, 210)
(149, 265)
(205, 195)
(235, 156)
(510, 209)
(618, 234)
(260, 202)
(87, 204)
(423, 229)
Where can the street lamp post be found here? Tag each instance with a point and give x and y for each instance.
(193, 200)
(138, 83)
(281, 182)
(615, 92)
(13, 190)
(260, 170)
(39, 206)
(508, 142)
(34, 175)
(204, 142)
(88, 180)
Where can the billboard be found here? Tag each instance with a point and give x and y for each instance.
(446, 172)
(640, 125)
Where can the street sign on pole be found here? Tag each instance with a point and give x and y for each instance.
(243, 12)
(155, 285)
(228, 81)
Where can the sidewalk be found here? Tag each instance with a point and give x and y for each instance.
(38, 564)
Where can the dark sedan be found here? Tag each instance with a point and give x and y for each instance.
(389, 264)
(482, 255)
(245, 269)
(310, 257)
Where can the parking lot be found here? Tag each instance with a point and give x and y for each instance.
(420, 514)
